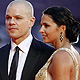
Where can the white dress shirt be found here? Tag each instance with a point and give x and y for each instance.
(23, 52)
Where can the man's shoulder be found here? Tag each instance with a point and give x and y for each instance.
(6, 46)
(41, 44)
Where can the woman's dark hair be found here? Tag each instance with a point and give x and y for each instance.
(63, 16)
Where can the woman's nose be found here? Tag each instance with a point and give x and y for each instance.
(42, 29)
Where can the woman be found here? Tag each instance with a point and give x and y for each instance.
(60, 28)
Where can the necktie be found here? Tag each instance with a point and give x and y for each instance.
(13, 69)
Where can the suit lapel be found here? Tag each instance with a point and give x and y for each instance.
(31, 61)
(4, 64)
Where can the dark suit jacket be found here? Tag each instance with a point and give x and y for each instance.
(37, 56)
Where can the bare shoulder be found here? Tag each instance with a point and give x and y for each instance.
(61, 65)
(62, 57)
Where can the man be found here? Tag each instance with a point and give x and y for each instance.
(32, 53)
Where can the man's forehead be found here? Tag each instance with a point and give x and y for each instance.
(24, 6)
(18, 4)
(17, 7)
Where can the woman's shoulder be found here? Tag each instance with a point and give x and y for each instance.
(62, 57)
(61, 63)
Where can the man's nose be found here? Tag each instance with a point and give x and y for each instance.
(12, 22)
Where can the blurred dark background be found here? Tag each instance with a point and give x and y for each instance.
(39, 6)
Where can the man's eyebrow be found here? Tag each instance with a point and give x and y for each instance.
(19, 15)
(7, 15)
(15, 16)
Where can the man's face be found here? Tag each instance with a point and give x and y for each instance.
(18, 23)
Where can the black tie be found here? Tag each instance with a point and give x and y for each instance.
(13, 69)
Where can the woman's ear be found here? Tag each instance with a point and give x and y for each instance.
(62, 32)
(63, 28)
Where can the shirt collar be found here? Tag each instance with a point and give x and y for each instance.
(24, 45)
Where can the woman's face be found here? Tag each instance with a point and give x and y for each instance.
(49, 29)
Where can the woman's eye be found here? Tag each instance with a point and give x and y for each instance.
(46, 25)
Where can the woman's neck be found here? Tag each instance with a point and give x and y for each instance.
(65, 43)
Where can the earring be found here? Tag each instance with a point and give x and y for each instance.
(61, 36)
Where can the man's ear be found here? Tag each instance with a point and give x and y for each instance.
(32, 21)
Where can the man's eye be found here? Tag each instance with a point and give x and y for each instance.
(41, 24)
(18, 18)
(8, 18)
